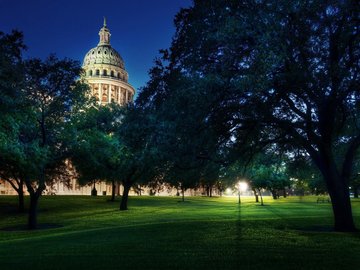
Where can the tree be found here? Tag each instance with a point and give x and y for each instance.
(52, 95)
(95, 149)
(209, 177)
(259, 182)
(113, 143)
(137, 150)
(268, 170)
(187, 152)
(276, 71)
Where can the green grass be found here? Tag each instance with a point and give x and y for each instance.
(163, 233)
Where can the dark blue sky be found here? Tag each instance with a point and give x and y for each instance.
(68, 28)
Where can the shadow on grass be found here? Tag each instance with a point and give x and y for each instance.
(41, 226)
(9, 209)
(314, 228)
(286, 222)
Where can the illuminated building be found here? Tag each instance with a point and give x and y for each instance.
(105, 72)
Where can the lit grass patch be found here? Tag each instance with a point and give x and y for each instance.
(163, 233)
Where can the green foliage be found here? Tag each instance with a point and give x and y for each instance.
(268, 171)
(53, 96)
(139, 146)
(187, 153)
(11, 82)
(11, 72)
(115, 144)
(95, 150)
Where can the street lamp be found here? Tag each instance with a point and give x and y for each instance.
(242, 186)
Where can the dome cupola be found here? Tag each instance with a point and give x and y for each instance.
(103, 53)
(104, 35)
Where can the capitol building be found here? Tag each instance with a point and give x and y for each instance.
(105, 72)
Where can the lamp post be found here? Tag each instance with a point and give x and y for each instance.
(242, 186)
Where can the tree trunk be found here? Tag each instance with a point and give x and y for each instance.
(34, 198)
(274, 194)
(125, 196)
(113, 189)
(256, 195)
(21, 199)
(338, 189)
(118, 189)
(261, 198)
(341, 205)
(183, 194)
(284, 192)
(32, 219)
(210, 191)
(94, 191)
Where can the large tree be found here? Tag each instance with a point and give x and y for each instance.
(95, 149)
(138, 150)
(52, 94)
(274, 71)
(187, 150)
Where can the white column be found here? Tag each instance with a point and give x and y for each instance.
(109, 93)
(121, 96)
(100, 93)
(127, 96)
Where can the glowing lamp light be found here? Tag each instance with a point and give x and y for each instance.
(243, 186)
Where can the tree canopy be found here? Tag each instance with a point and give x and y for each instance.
(263, 72)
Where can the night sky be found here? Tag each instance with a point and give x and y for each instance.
(139, 28)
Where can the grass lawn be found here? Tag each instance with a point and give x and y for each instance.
(82, 232)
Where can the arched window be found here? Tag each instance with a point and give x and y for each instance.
(97, 72)
(112, 73)
(118, 75)
(90, 72)
(105, 72)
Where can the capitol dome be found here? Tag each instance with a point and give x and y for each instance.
(104, 54)
(105, 72)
